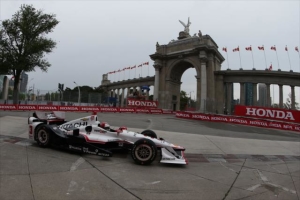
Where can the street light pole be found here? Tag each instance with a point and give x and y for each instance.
(79, 92)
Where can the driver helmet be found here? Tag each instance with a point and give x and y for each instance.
(105, 125)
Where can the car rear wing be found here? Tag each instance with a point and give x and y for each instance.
(43, 115)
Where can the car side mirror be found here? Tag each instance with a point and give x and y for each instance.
(88, 129)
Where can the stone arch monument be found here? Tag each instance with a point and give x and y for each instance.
(173, 59)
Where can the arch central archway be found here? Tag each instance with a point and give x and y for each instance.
(173, 59)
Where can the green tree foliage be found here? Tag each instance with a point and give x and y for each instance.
(184, 100)
(23, 44)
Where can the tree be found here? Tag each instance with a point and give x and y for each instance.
(23, 44)
(184, 99)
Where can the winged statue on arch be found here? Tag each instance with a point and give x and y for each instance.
(186, 26)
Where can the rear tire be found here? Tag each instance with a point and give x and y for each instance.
(149, 133)
(43, 136)
(144, 152)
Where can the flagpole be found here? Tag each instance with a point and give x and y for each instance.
(240, 57)
(148, 69)
(265, 57)
(227, 58)
(129, 72)
(252, 56)
(142, 71)
(277, 57)
(288, 57)
(135, 72)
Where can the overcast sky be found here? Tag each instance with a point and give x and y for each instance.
(96, 37)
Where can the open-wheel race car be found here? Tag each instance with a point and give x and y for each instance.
(88, 135)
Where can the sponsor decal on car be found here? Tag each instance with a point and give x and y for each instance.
(76, 125)
(168, 158)
(76, 148)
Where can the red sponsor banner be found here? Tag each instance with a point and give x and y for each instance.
(142, 103)
(69, 108)
(27, 107)
(200, 117)
(132, 110)
(167, 112)
(140, 110)
(154, 111)
(242, 121)
(89, 108)
(8, 107)
(268, 113)
(46, 107)
(109, 109)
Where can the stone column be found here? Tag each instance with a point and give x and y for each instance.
(229, 97)
(157, 65)
(242, 93)
(280, 97)
(203, 87)
(210, 100)
(147, 95)
(268, 95)
(122, 97)
(118, 94)
(254, 97)
(219, 94)
(198, 97)
(293, 97)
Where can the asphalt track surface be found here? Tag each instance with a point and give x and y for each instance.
(171, 123)
(265, 163)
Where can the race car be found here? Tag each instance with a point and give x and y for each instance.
(88, 135)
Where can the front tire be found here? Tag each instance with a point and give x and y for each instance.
(43, 136)
(149, 133)
(144, 152)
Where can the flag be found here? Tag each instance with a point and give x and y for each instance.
(286, 48)
(224, 49)
(296, 49)
(119, 70)
(248, 48)
(124, 68)
(236, 49)
(140, 65)
(146, 63)
(128, 68)
(133, 67)
(261, 48)
(273, 48)
(270, 68)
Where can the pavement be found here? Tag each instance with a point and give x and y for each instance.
(220, 167)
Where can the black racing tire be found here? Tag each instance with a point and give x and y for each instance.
(43, 136)
(144, 151)
(149, 133)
